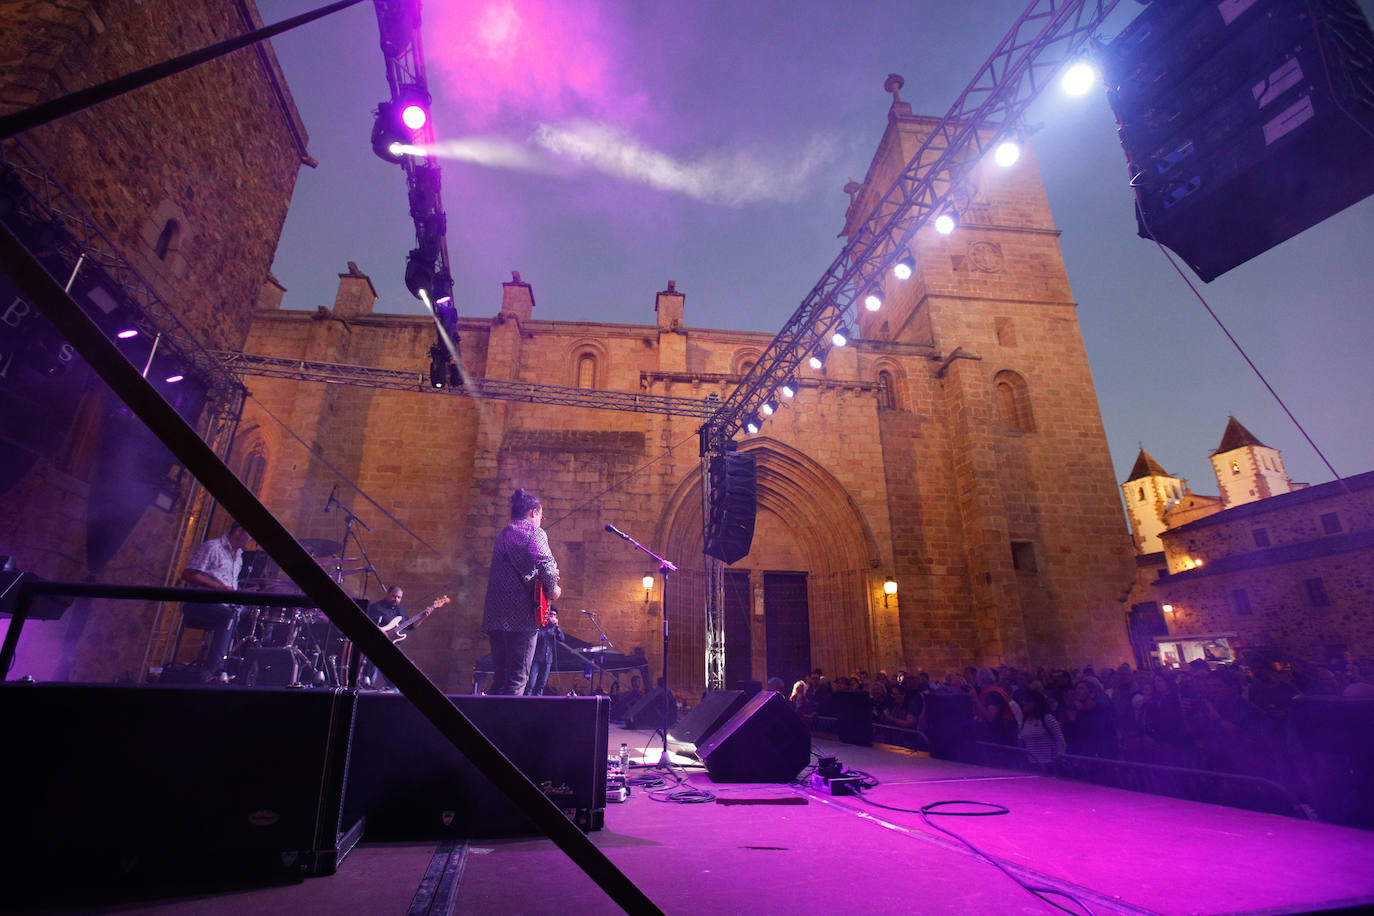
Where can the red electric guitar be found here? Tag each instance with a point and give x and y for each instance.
(396, 628)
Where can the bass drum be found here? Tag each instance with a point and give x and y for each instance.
(278, 626)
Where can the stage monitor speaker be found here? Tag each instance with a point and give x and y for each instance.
(734, 503)
(1262, 129)
(765, 741)
(648, 712)
(157, 784)
(702, 720)
(410, 782)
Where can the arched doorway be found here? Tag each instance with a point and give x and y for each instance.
(812, 544)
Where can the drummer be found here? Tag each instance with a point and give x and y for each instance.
(216, 564)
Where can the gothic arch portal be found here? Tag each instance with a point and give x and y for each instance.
(836, 548)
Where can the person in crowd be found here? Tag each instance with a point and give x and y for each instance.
(1087, 719)
(1039, 732)
(995, 718)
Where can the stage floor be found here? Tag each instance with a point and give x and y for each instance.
(744, 851)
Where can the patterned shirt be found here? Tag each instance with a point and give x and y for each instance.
(521, 556)
(217, 559)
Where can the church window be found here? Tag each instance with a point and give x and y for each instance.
(1023, 557)
(745, 366)
(1141, 495)
(887, 391)
(586, 371)
(1240, 600)
(1261, 536)
(1331, 523)
(166, 242)
(1235, 467)
(1013, 402)
(1316, 592)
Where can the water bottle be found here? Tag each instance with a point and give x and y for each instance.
(624, 759)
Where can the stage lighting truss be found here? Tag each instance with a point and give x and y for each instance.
(1048, 35)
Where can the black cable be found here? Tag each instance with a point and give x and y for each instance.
(932, 809)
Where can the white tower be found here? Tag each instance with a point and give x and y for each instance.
(1150, 491)
(1246, 468)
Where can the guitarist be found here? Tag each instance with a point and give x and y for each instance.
(523, 578)
(382, 612)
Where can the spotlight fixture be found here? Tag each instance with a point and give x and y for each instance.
(945, 223)
(753, 424)
(1006, 154)
(1079, 79)
(769, 408)
(174, 378)
(873, 301)
(817, 360)
(127, 333)
(840, 337)
(389, 135)
(789, 388)
(904, 268)
(420, 272)
(438, 366)
(889, 589)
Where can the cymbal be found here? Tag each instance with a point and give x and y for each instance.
(320, 547)
(337, 561)
(349, 572)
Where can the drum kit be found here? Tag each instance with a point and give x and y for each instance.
(288, 646)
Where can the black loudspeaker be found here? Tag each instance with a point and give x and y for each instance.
(267, 667)
(1243, 124)
(702, 720)
(854, 717)
(765, 741)
(734, 503)
(154, 783)
(648, 711)
(410, 782)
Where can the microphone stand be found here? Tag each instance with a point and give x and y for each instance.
(352, 661)
(664, 568)
(606, 646)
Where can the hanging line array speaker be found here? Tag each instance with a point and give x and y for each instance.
(734, 502)
(1243, 123)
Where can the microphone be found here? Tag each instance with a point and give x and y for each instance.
(616, 531)
(587, 612)
(332, 500)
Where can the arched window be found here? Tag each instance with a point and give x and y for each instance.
(887, 391)
(745, 366)
(1141, 495)
(586, 371)
(1013, 402)
(167, 241)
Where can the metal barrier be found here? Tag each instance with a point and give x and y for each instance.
(1235, 790)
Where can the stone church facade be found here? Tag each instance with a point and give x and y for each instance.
(955, 446)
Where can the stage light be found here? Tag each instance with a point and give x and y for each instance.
(419, 273)
(127, 333)
(389, 135)
(817, 360)
(174, 378)
(438, 366)
(789, 388)
(840, 337)
(873, 302)
(753, 424)
(889, 589)
(945, 223)
(769, 408)
(414, 115)
(1007, 153)
(1079, 79)
(904, 268)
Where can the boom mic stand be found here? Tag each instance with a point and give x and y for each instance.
(664, 567)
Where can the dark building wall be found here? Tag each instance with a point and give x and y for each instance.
(215, 152)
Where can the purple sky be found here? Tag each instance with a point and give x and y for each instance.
(603, 148)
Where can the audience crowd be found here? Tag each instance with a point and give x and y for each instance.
(1230, 718)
